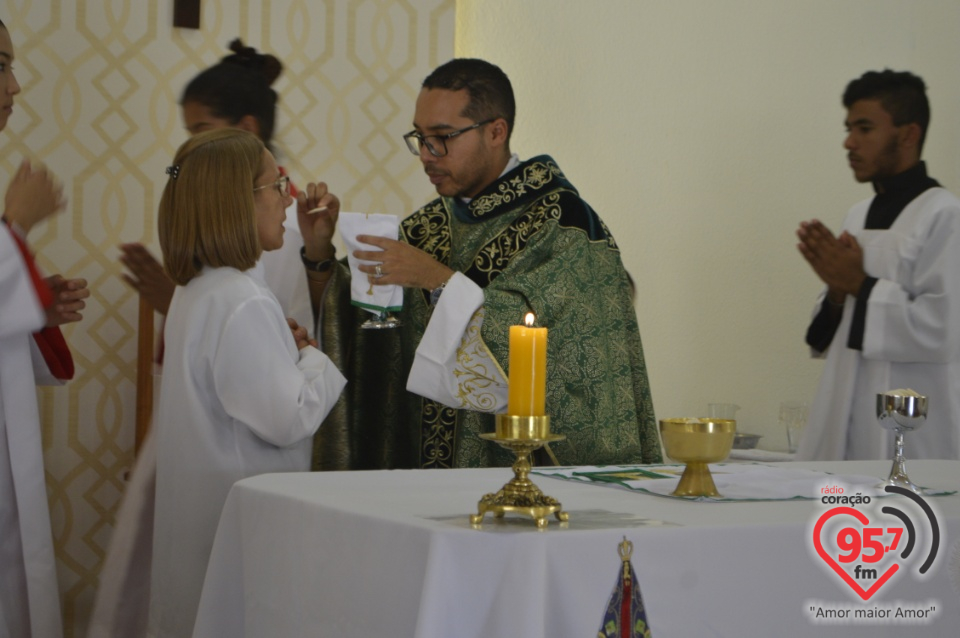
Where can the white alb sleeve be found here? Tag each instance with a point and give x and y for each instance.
(452, 364)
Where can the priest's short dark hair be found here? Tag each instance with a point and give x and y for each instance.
(491, 94)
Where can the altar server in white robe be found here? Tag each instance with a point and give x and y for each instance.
(29, 598)
(32, 350)
(243, 391)
(889, 316)
(236, 92)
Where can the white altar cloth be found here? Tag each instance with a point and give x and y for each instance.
(392, 553)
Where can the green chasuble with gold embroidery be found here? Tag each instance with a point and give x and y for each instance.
(532, 245)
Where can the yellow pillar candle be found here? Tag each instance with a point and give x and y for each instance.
(528, 369)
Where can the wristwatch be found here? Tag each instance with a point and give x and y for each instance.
(436, 292)
(315, 266)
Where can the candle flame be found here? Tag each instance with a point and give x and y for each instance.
(529, 319)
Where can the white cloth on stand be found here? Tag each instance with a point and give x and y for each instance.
(370, 297)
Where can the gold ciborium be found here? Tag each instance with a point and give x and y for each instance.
(697, 442)
(521, 435)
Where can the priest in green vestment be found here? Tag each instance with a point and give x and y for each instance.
(505, 237)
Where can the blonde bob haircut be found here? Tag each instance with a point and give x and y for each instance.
(207, 215)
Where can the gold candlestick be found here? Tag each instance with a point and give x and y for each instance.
(521, 435)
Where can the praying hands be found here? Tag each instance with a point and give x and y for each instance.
(838, 261)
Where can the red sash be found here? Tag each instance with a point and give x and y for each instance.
(52, 345)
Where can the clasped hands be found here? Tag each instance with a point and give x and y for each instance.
(68, 300)
(146, 276)
(838, 261)
(300, 335)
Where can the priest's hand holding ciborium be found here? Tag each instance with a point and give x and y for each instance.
(365, 260)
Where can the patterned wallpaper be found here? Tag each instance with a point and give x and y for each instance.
(100, 82)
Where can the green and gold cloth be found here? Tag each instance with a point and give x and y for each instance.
(533, 245)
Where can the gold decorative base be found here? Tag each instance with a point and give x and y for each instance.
(521, 435)
(696, 481)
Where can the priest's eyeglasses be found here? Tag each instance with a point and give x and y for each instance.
(282, 185)
(437, 144)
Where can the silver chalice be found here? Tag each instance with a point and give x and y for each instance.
(901, 412)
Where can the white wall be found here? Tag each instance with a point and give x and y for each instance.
(703, 131)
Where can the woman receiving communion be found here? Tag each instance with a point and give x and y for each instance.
(243, 391)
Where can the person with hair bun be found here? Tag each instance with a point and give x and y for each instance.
(237, 92)
(243, 390)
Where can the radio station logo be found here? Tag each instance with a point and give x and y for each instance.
(868, 543)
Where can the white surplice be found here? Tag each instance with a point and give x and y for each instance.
(238, 399)
(122, 600)
(911, 338)
(29, 596)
